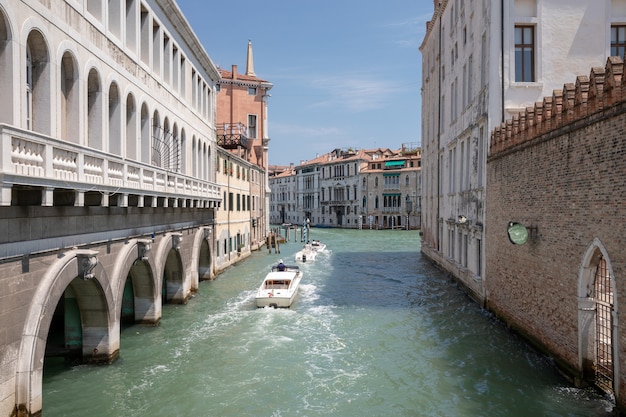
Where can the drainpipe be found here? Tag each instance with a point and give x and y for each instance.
(502, 59)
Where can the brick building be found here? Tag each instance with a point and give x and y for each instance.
(242, 220)
(556, 178)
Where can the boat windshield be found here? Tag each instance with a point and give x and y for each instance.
(277, 284)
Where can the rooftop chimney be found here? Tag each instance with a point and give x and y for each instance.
(250, 61)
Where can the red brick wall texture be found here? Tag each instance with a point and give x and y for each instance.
(559, 167)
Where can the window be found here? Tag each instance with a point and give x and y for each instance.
(252, 91)
(618, 40)
(252, 126)
(524, 54)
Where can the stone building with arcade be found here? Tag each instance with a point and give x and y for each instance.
(109, 181)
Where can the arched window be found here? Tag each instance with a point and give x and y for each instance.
(131, 128)
(115, 120)
(70, 129)
(376, 203)
(38, 108)
(94, 110)
(156, 140)
(183, 152)
(194, 157)
(145, 134)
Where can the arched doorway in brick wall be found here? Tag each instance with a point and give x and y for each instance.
(597, 319)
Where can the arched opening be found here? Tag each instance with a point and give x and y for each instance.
(597, 313)
(70, 129)
(80, 313)
(71, 311)
(183, 152)
(175, 149)
(145, 133)
(205, 165)
(38, 108)
(204, 261)
(6, 71)
(115, 120)
(156, 140)
(94, 110)
(603, 295)
(194, 163)
(138, 298)
(172, 285)
(131, 128)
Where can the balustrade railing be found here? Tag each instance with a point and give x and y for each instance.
(29, 158)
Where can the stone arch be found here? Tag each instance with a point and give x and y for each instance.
(170, 270)
(135, 262)
(131, 127)
(38, 109)
(70, 98)
(94, 109)
(176, 167)
(204, 163)
(201, 263)
(194, 157)
(114, 120)
(183, 151)
(6, 69)
(587, 311)
(145, 134)
(99, 327)
(156, 133)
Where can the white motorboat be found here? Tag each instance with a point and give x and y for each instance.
(317, 246)
(306, 254)
(280, 287)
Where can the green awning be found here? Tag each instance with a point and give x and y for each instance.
(392, 194)
(394, 163)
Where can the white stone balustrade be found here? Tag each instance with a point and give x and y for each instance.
(28, 158)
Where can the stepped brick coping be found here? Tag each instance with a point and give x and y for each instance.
(602, 89)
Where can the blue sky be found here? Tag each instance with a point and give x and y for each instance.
(346, 73)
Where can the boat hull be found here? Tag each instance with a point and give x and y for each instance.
(306, 255)
(279, 289)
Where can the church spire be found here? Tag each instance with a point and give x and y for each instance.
(250, 61)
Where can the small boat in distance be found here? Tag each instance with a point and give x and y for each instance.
(306, 254)
(279, 287)
(318, 246)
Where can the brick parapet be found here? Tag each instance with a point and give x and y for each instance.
(602, 89)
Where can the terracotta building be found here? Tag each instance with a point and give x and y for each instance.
(242, 220)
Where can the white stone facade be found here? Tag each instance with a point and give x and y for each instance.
(470, 84)
(110, 96)
(107, 107)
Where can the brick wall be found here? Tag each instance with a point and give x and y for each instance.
(559, 167)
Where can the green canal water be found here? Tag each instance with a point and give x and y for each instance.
(376, 331)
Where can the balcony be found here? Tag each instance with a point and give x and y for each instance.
(233, 136)
(30, 159)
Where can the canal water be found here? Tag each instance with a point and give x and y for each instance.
(376, 331)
